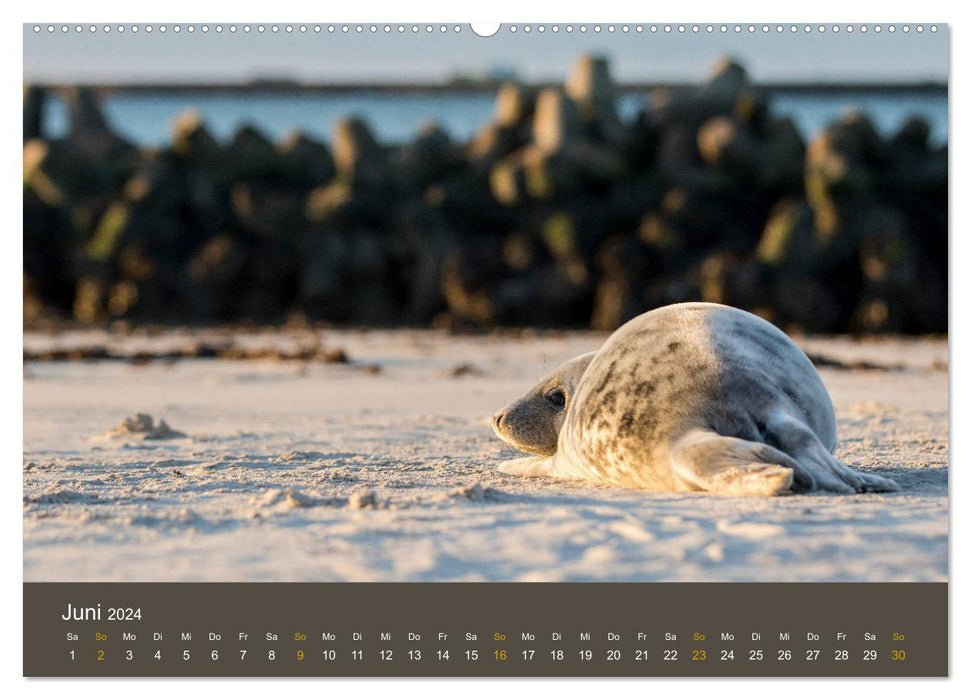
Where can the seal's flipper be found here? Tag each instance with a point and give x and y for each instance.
(730, 466)
(795, 438)
(528, 466)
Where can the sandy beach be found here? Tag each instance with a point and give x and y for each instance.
(383, 469)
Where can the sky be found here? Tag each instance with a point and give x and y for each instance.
(433, 57)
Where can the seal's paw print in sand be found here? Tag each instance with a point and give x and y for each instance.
(688, 397)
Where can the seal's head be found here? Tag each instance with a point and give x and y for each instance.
(532, 423)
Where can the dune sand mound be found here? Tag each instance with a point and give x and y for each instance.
(144, 427)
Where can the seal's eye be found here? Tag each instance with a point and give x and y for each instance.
(557, 398)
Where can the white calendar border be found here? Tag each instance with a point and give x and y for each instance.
(440, 10)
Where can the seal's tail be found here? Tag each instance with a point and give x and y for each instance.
(826, 473)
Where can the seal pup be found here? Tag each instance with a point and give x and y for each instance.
(687, 397)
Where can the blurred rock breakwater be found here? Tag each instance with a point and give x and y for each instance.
(556, 214)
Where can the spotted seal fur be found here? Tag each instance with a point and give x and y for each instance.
(688, 397)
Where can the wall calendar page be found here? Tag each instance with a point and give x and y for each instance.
(469, 350)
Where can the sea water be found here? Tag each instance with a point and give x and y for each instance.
(146, 118)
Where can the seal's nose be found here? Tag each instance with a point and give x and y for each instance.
(497, 419)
